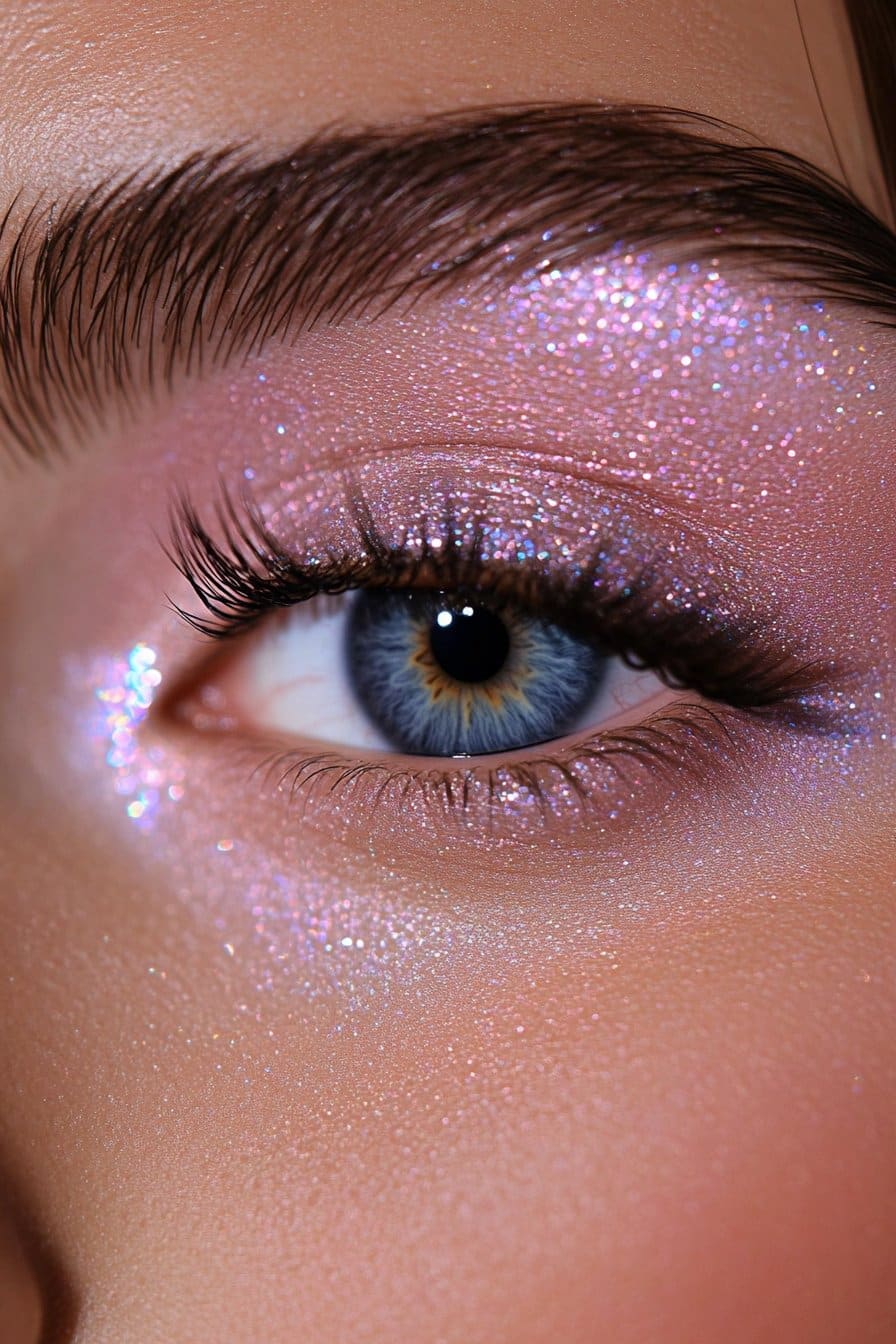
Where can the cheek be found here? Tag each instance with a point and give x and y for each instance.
(682, 1144)
(680, 1135)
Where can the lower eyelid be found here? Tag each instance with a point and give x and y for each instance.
(618, 779)
(617, 776)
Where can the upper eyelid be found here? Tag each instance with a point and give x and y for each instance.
(184, 270)
(249, 573)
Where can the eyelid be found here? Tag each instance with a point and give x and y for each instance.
(685, 739)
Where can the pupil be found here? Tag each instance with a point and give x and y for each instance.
(469, 643)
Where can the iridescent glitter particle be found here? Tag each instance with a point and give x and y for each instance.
(124, 690)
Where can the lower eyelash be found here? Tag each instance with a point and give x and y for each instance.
(677, 742)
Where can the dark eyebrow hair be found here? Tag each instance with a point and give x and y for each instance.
(106, 295)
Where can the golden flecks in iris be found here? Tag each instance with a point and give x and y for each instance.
(508, 686)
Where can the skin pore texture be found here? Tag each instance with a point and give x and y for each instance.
(349, 1063)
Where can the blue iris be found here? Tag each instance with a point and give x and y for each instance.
(443, 674)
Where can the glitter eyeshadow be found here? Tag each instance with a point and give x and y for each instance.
(654, 374)
(634, 405)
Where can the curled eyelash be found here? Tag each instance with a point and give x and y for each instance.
(639, 613)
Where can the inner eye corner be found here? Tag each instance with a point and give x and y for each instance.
(184, 700)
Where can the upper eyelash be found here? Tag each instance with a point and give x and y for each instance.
(248, 573)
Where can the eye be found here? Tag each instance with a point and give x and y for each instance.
(438, 640)
(426, 673)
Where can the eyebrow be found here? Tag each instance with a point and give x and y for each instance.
(164, 273)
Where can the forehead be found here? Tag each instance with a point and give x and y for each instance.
(97, 88)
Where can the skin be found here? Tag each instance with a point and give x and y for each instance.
(683, 1132)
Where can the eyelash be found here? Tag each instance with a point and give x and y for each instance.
(247, 574)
